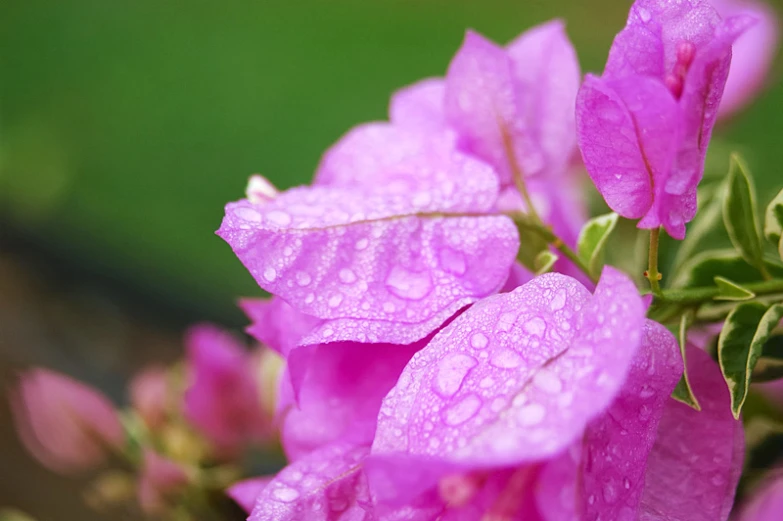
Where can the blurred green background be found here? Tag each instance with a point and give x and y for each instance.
(126, 126)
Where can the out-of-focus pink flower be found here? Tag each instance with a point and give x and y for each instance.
(766, 503)
(644, 126)
(246, 492)
(223, 400)
(67, 425)
(150, 395)
(753, 53)
(161, 479)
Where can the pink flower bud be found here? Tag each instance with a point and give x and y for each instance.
(66, 425)
(160, 480)
(149, 393)
(223, 401)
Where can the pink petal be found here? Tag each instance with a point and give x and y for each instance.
(419, 106)
(617, 444)
(341, 394)
(628, 131)
(66, 425)
(246, 492)
(151, 393)
(513, 379)
(276, 324)
(766, 504)
(372, 255)
(753, 53)
(160, 480)
(695, 464)
(482, 106)
(547, 77)
(223, 400)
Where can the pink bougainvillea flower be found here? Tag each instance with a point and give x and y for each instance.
(161, 479)
(387, 261)
(644, 126)
(223, 400)
(150, 395)
(245, 492)
(753, 53)
(766, 503)
(67, 425)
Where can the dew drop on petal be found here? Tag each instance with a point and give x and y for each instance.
(463, 410)
(309, 298)
(558, 301)
(279, 217)
(247, 214)
(270, 274)
(452, 261)
(409, 284)
(361, 244)
(548, 381)
(303, 278)
(505, 359)
(451, 372)
(347, 276)
(531, 414)
(335, 300)
(645, 15)
(479, 341)
(536, 326)
(286, 494)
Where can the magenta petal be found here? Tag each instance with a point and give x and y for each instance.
(513, 379)
(617, 444)
(246, 492)
(695, 464)
(628, 131)
(481, 104)
(419, 106)
(276, 324)
(766, 504)
(341, 394)
(345, 254)
(547, 76)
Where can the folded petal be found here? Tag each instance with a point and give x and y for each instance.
(371, 255)
(514, 379)
(547, 77)
(766, 504)
(482, 105)
(695, 464)
(617, 444)
(628, 132)
(245, 492)
(276, 324)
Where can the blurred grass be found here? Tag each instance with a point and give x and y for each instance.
(126, 126)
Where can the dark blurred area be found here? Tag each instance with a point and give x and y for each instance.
(126, 126)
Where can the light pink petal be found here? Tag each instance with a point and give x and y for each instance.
(617, 444)
(419, 106)
(753, 53)
(558, 487)
(160, 480)
(766, 504)
(341, 394)
(628, 131)
(223, 400)
(246, 492)
(150, 394)
(514, 379)
(547, 77)
(276, 324)
(379, 256)
(482, 105)
(695, 464)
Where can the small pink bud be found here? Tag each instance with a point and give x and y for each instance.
(67, 425)
(149, 392)
(160, 480)
(223, 400)
(260, 189)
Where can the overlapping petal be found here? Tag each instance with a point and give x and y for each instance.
(766, 504)
(245, 492)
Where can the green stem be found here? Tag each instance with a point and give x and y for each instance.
(699, 295)
(652, 273)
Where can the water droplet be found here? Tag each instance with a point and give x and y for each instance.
(286, 494)
(278, 217)
(531, 414)
(452, 371)
(618, 176)
(535, 326)
(644, 14)
(303, 278)
(626, 484)
(309, 298)
(487, 382)
(452, 261)
(479, 340)
(270, 274)
(327, 333)
(335, 300)
(591, 499)
(361, 244)
(294, 475)
(548, 382)
(389, 307)
(610, 492)
(505, 359)
(506, 322)
(463, 410)
(347, 276)
(247, 214)
(558, 301)
(407, 284)
(421, 199)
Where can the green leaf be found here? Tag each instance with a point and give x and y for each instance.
(740, 344)
(770, 365)
(592, 240)
(773, 219)
(731, 290)
(740, 215)
(544, 261)
(531, 243)
(683, 391)
(701, 270)
(707, 221)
